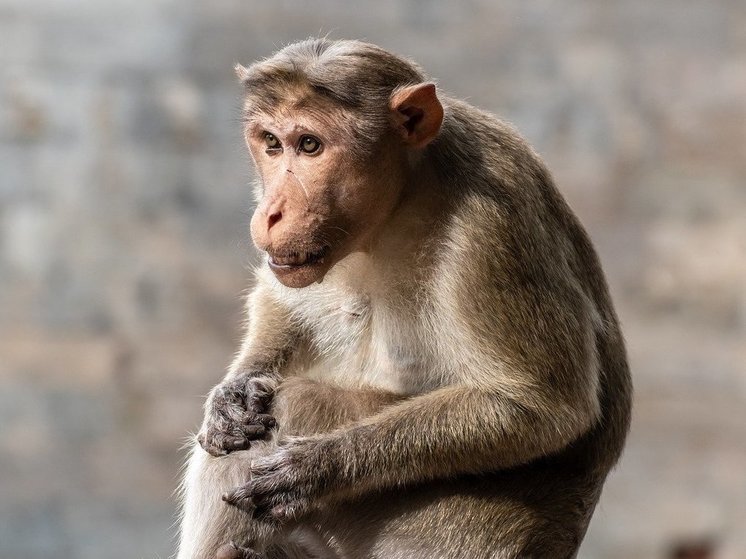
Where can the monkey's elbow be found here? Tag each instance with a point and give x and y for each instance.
(565, 421)
(578, 418)
(579, 410)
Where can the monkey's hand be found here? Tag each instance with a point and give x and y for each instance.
(235, 414)
(284, 484)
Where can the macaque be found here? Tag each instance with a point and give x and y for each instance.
(432, 366)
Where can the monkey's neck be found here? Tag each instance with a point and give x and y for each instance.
(411, 232)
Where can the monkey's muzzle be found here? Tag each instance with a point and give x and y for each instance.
(289, 260)
(300, 268)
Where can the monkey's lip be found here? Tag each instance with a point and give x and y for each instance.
(297, 259)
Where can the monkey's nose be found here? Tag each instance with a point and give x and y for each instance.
(273, 218)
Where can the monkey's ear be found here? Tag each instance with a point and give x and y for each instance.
(242, 72)
(417, 114)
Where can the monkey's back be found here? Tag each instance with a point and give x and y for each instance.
(525, 220)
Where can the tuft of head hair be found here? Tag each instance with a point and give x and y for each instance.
(356, 76)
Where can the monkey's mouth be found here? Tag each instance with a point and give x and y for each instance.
(290, 260)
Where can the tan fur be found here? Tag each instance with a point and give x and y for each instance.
(452, 376)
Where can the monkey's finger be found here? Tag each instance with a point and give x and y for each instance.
(259, 393)
(258, 402)
(240, 498)
(266, 496)
(236, 443)
(218, 443)
(288, 511)
(265, 420)
(208, 445)
(241, 435)
(251, 430)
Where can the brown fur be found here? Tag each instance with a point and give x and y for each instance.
(449, 379)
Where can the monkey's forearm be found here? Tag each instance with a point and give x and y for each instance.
(236, 409)
(305, 407)
(445, 433)
(270, 337)
(442, 434)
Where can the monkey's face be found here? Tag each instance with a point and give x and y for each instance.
(318, 199)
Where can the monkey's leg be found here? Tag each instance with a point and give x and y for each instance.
(531, 512)
(207, 522)
(301, 407)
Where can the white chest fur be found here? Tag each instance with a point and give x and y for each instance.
(365, 329)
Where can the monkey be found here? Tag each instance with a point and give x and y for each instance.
(432, 365)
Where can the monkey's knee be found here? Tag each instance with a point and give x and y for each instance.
(207, 522)
(205, 474)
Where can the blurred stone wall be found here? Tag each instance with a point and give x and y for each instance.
(124, 205)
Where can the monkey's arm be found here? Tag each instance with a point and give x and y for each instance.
(235, 408)
(526, 388)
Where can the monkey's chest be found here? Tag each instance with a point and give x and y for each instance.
(361, 341)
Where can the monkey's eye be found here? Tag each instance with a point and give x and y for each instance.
(309, 144)
(273, 144)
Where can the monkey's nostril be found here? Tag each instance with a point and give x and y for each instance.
(273, 218)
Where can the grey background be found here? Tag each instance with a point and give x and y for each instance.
(124, 205)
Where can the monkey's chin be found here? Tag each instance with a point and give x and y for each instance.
(298, 276)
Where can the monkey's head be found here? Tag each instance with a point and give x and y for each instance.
(335, 129)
